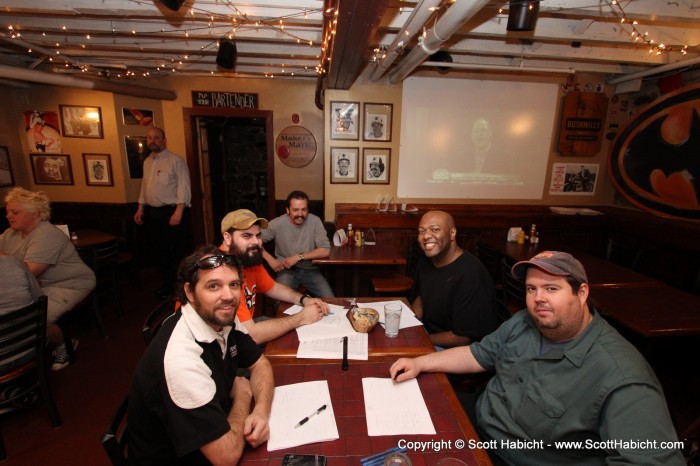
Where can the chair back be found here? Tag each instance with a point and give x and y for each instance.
(330, 230)
(623, 254)
(413, 257)
(23, 336)
(114, 441)
(102, 257)
(22, 349)
(154, 319)
(513, 289)
(490, 257)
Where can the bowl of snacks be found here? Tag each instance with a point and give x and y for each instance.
(363, 319)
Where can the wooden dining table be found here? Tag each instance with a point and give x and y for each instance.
(359, 260)
(92, 238)
(453, 427)
(411, 341)
(652, 312)
(639, 303)
(601, 273)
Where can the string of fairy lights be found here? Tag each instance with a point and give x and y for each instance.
(206, 25)
(636, 34)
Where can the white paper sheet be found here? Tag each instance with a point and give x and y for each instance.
(293, 403)
(395, 409)
(330, 326)
(408, 318)
(332, 348)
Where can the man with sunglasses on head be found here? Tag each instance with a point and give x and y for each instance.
(186, 405)
(242, 234)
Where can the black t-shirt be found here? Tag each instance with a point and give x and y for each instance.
(459, 297)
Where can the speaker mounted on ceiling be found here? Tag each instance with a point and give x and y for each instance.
(226, 57)
(172, 4)
(444, 57)
(522, 15)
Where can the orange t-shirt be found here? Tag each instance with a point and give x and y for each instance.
(255, 280)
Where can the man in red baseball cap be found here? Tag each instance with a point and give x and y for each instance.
(568, 388)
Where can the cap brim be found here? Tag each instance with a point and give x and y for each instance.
(519, 270)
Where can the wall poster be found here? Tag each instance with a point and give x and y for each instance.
(574, 178)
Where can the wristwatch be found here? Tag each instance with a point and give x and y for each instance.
(303, 297)
(301, 256)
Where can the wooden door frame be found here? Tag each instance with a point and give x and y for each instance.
(192, 151)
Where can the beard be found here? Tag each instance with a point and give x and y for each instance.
(209, 315)
(249, 257)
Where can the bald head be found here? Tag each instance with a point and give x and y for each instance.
(155, 139)
(437, 237)
(438, 216)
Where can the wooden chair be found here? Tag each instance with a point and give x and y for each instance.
(513, 297)
(102, 259)
(23, 349)
(691, 441)
(399, 284)
(114, 441)
(154, 319)
(491, 258)
(623, 254)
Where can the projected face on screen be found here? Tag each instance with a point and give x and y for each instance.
(481, 134)
(475, 139)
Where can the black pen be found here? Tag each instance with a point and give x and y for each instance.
(306, 419)
(401, 371)
(345, 353)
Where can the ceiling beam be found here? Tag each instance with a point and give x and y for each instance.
(357, 21)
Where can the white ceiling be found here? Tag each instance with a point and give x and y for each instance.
(137, 39)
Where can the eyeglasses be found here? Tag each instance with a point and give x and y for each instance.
(212, 262)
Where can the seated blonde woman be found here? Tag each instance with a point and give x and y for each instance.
(50, 256)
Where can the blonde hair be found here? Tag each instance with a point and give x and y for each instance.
(32, 201)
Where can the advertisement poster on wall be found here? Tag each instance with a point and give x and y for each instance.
(574, 178)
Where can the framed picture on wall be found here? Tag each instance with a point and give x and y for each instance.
(43, 131)
(81, 122)
(377, 122)
(98, 169)
(345, 120)
(51, 169)
(375, 164)
(344, 164)
(6, 178)
(574, 179)
(137, 116)
(136, 153)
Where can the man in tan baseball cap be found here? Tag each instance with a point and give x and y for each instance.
(241, 230)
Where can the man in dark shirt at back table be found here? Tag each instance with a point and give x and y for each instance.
(455, 295)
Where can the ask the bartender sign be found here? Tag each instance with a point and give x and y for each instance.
(224, 99)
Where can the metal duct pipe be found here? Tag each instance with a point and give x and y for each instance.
(40, 49)
(22, 74)
(449, 23)
(476, 66)
(421, 13)
(659, 69)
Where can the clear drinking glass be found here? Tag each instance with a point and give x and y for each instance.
(392, 318)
